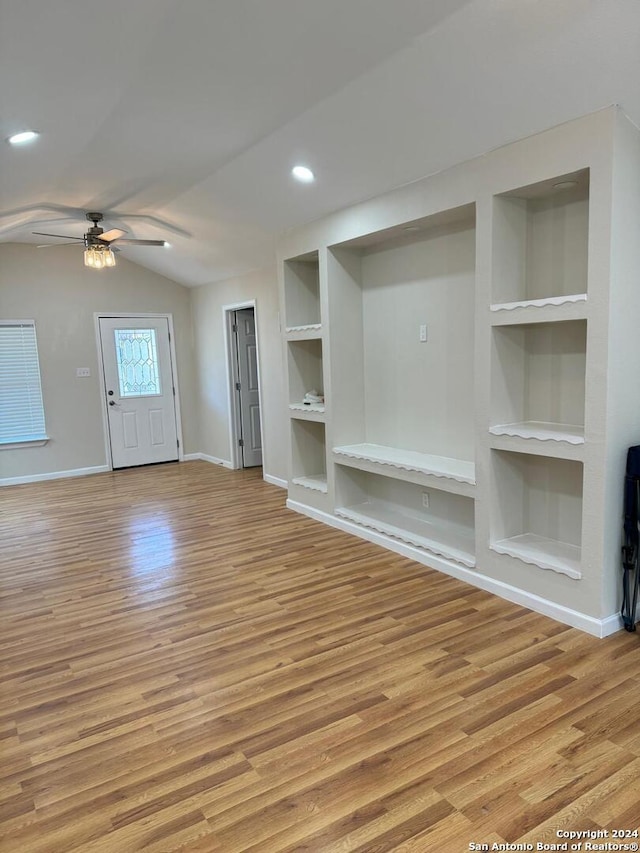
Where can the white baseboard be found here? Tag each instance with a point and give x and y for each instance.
(54, 475)
(275, 481)
(192, 457)
(268, 478)
(589, 624)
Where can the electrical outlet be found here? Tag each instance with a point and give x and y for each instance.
(423, 333)
(425, 500)
(81, 372)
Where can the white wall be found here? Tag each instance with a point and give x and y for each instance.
(207, 305)
(419, 396)
(54, 288)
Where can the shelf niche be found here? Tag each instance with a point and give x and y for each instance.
(395, 508)
(538, 380)
(308, 455)
(388, 387)
(305, 370)
(302, 293)
(540, 241)
(538, 510)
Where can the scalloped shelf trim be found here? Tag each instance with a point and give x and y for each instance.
(540, 303)
(315, 483)
(406, 460)
(318, 408)
(547, 554)
(541, 431)
(394, 532)
(309, 327)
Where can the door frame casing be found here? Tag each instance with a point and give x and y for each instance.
(234, 415)
(103, 388)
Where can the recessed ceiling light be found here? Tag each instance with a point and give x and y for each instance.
(22, 138)
(303, 174)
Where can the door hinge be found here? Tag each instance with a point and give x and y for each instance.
(174, 391)
(235, 327)
(238, 386)
(241, 442)
(178, 442)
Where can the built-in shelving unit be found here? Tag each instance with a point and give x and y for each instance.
(473, 335)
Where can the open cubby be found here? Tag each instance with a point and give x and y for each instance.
(302, 292)
(540, 242)
(397, 509)
(308, 455)
(305, 370)
(537, 514)
(538, 380)
(395, 390)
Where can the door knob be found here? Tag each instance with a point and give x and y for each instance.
(112, 402)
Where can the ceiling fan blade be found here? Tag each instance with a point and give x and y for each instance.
(142, 243)
(114, 234)
(54, 245)
(66, 236)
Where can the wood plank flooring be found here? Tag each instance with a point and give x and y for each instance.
(187, 665)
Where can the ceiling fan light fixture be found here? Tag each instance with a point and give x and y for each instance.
(23, 137)
(98, 257)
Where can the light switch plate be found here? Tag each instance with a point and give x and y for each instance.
(423, 333)
(83, 371)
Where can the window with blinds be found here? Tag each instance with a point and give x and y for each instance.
(21, 409)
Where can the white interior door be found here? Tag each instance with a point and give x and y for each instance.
(138, 375)
(248, 388)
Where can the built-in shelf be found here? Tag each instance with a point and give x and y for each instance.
(541, 431)
(304, 333)
(312, 412)
(540, 243)
(444, 540)
(541, 311)
(316, 482)
(302, 292)
(540, 303)
(537, 510)
(538, 374)
(308, 453)
(305, 370)
(542, 552)
(409, 460)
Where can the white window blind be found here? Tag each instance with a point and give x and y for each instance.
(21, 409)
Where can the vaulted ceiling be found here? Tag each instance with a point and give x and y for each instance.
(182, 120)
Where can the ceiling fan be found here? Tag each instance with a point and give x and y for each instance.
(98, 243)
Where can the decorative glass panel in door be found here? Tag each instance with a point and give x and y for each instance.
(137, 358)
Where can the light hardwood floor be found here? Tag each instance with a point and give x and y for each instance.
(187, 665)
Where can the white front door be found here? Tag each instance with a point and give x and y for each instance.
(139, 387)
